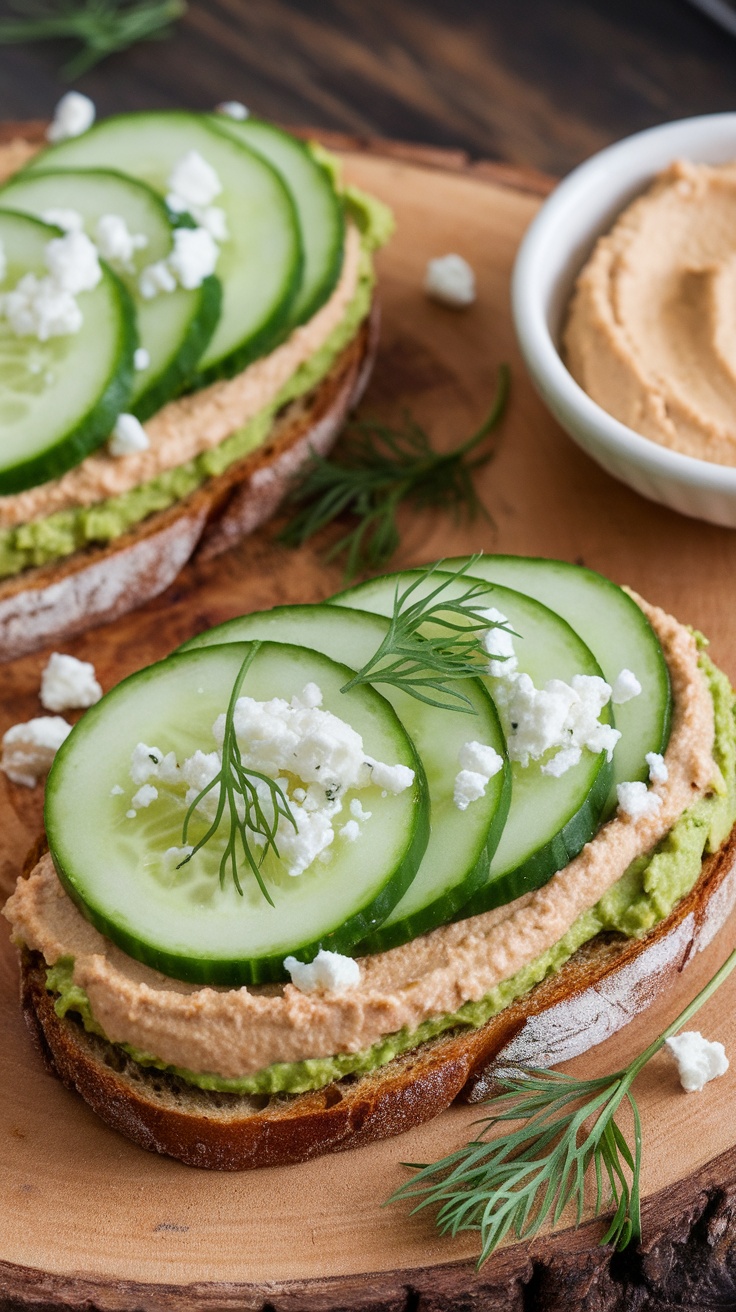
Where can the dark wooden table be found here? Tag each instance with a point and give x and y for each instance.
(536, 82)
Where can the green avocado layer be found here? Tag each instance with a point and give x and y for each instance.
(67, 531)
(645, 894)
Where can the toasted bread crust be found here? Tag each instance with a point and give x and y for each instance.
(594, 994)
(42, 605)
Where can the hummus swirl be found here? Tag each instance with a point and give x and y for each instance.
(237, 1032)
(651, 329)
(190, 425)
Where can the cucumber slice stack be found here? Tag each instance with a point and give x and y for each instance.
(59, 399)
(277, 263)
(419, 860)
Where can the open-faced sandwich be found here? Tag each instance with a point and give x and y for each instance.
(185, 311)
(309, 875)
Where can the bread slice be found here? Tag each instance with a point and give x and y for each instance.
(42, 606)
(608, 981)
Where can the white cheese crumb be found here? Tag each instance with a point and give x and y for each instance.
(194, 256)
(560, 715)
(309, 697)
(499, 644)
(68, 683)
(156, 278)
(141, 358)
(658, 772)
(173, 856)
(481, 757)
(625, 688)
(357, 809)
(131, 814)
(73, 262)
(233, 109)
(350, 830)
(636, 801)
(698, 1060)
(38, 307)
(116, 791)
(450, 280)
(394, 778)
(28, 749)
(192, 182)
(469, 787)
(330, 972)
(146, 794)
(67, 220)
(128, 436)
(117, 244)
(561, 762)
(144, 762)
(214, 220)
(73, 115)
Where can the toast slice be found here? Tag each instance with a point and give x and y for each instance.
(598, 990)
(42, 606)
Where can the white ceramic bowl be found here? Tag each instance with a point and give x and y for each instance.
(551, 255)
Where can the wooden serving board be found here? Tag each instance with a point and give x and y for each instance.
(87, 1219)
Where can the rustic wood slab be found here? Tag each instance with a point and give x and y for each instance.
(88, 1220)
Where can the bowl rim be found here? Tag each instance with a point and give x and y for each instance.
(542, 357)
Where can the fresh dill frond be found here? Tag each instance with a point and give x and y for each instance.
(517, 1181)
(240, 803)
(102, 27)
(378, 469)
(425, 664)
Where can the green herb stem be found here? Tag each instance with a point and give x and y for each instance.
(103, 27)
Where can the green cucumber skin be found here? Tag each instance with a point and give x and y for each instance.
(276, 324)
(230, 972)
(570, 838)
(505, 569)
(265, 625)
(178, 377)
(98, 423)
(241, 131)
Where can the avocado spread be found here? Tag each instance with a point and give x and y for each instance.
(61, 534)
(644, 895)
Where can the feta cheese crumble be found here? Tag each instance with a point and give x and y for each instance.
(233, 109)
(698, 1060)
(626, 687)
(73, 115)
(73, 262)
(28, 750)
(658, 772)
(499, 644)
(146, 794)
(38, 307)
(194, 256)
(450, 280)
(479, 762)
(117, 244)
(330, 972)
(141, 359)
(635, 800)
(128, 436)
(67, 220)
(350, 831)
(194, 185)
(68, 683)
(156, 278)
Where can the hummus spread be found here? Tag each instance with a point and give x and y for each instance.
(651, 329)
(237, 1032)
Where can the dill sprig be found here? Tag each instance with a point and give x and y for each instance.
(424, 665)
(239, 793)
(102, 27)
(514, 1183)
(378, 469)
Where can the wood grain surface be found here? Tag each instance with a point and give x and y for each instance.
(88, 1220)
(540, 84)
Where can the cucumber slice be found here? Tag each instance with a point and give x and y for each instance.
(59, 399)
(319, 208)
(617, 632)
(173, 328)
(183, 922)
(549, 819)
(260, 264)
(461, 843)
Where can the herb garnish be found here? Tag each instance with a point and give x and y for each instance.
(514, 1183)
(238, 790)
(377, 469)
(422, 666)
(102, 26)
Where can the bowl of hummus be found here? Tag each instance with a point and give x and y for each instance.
(624, 303)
